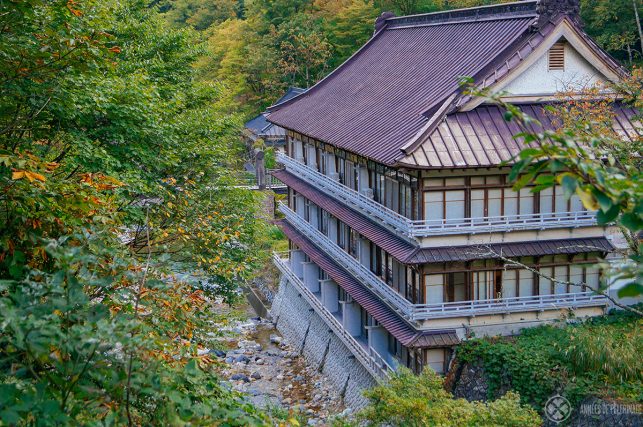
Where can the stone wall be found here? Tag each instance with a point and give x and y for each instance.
(306, 332)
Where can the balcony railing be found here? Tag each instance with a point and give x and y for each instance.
(370, 359)
(410, 229)
(507, 305)
(419, 312)
(396, 301)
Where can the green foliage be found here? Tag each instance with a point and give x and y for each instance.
(613, 25)
(113, 168)
(599, 357)
(420, 400)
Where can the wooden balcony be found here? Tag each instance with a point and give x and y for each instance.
(412, 229)
(421, 312)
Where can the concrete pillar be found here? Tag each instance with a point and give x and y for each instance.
(364, 252)
(296, 259)
(330, 295)
(378, 341)
(313, 213)
(352, 318)
(300, 205)
(332, 229)
(311, 276)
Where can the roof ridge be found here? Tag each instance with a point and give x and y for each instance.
(488, 12)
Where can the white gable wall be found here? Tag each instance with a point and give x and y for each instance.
(539, 80)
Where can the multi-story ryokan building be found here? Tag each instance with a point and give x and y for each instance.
(398, 203)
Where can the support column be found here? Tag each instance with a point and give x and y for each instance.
(311, 276)
(297, 257)
(352, 318)
(313, 212)
(378, 341)
(330, 295)
(300, 205)
(364, 252)
(332, 229)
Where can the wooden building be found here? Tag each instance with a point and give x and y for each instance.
(400, 214)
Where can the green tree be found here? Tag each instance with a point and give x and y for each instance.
(113, 168)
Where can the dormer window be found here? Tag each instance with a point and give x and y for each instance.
(557, 57)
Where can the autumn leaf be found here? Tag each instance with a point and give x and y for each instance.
(31, 176)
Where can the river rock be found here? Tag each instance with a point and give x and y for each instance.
(242, 359)
(240, 377)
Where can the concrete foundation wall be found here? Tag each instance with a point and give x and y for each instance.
(309, 334)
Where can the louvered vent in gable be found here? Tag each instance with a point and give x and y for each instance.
(557, 57)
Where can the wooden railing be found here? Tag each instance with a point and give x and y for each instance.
(507, 305)
(419, 312)
(411, 229)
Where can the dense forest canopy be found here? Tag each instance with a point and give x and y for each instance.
(258, 48)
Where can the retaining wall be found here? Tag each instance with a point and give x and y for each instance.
(307, 333)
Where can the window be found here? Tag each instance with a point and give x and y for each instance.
(483, 285)
(434, 288)
(454, 204)
(560, 273)
(545, 285)
(436, 359)
(557, 57)
(457, 286)
(509, 284)
(526, 283)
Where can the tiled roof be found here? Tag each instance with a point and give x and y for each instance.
(406, 78)
(482, 137)
(390, 242)
(511, 250)
(436, 339)
(377, 101)
(259, 127)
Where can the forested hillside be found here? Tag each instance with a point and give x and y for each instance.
(258, 48)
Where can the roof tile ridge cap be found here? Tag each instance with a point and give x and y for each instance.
(470, 12)
(320, 83)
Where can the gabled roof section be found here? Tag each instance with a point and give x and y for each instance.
(483, 138)
(259, 127)
(392, 93)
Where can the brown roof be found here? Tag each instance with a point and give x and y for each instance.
(385, 96)
(482, 137)
(436, 339)
(510, 250)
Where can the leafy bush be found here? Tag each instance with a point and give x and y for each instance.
(598, 357)
(420, 400)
